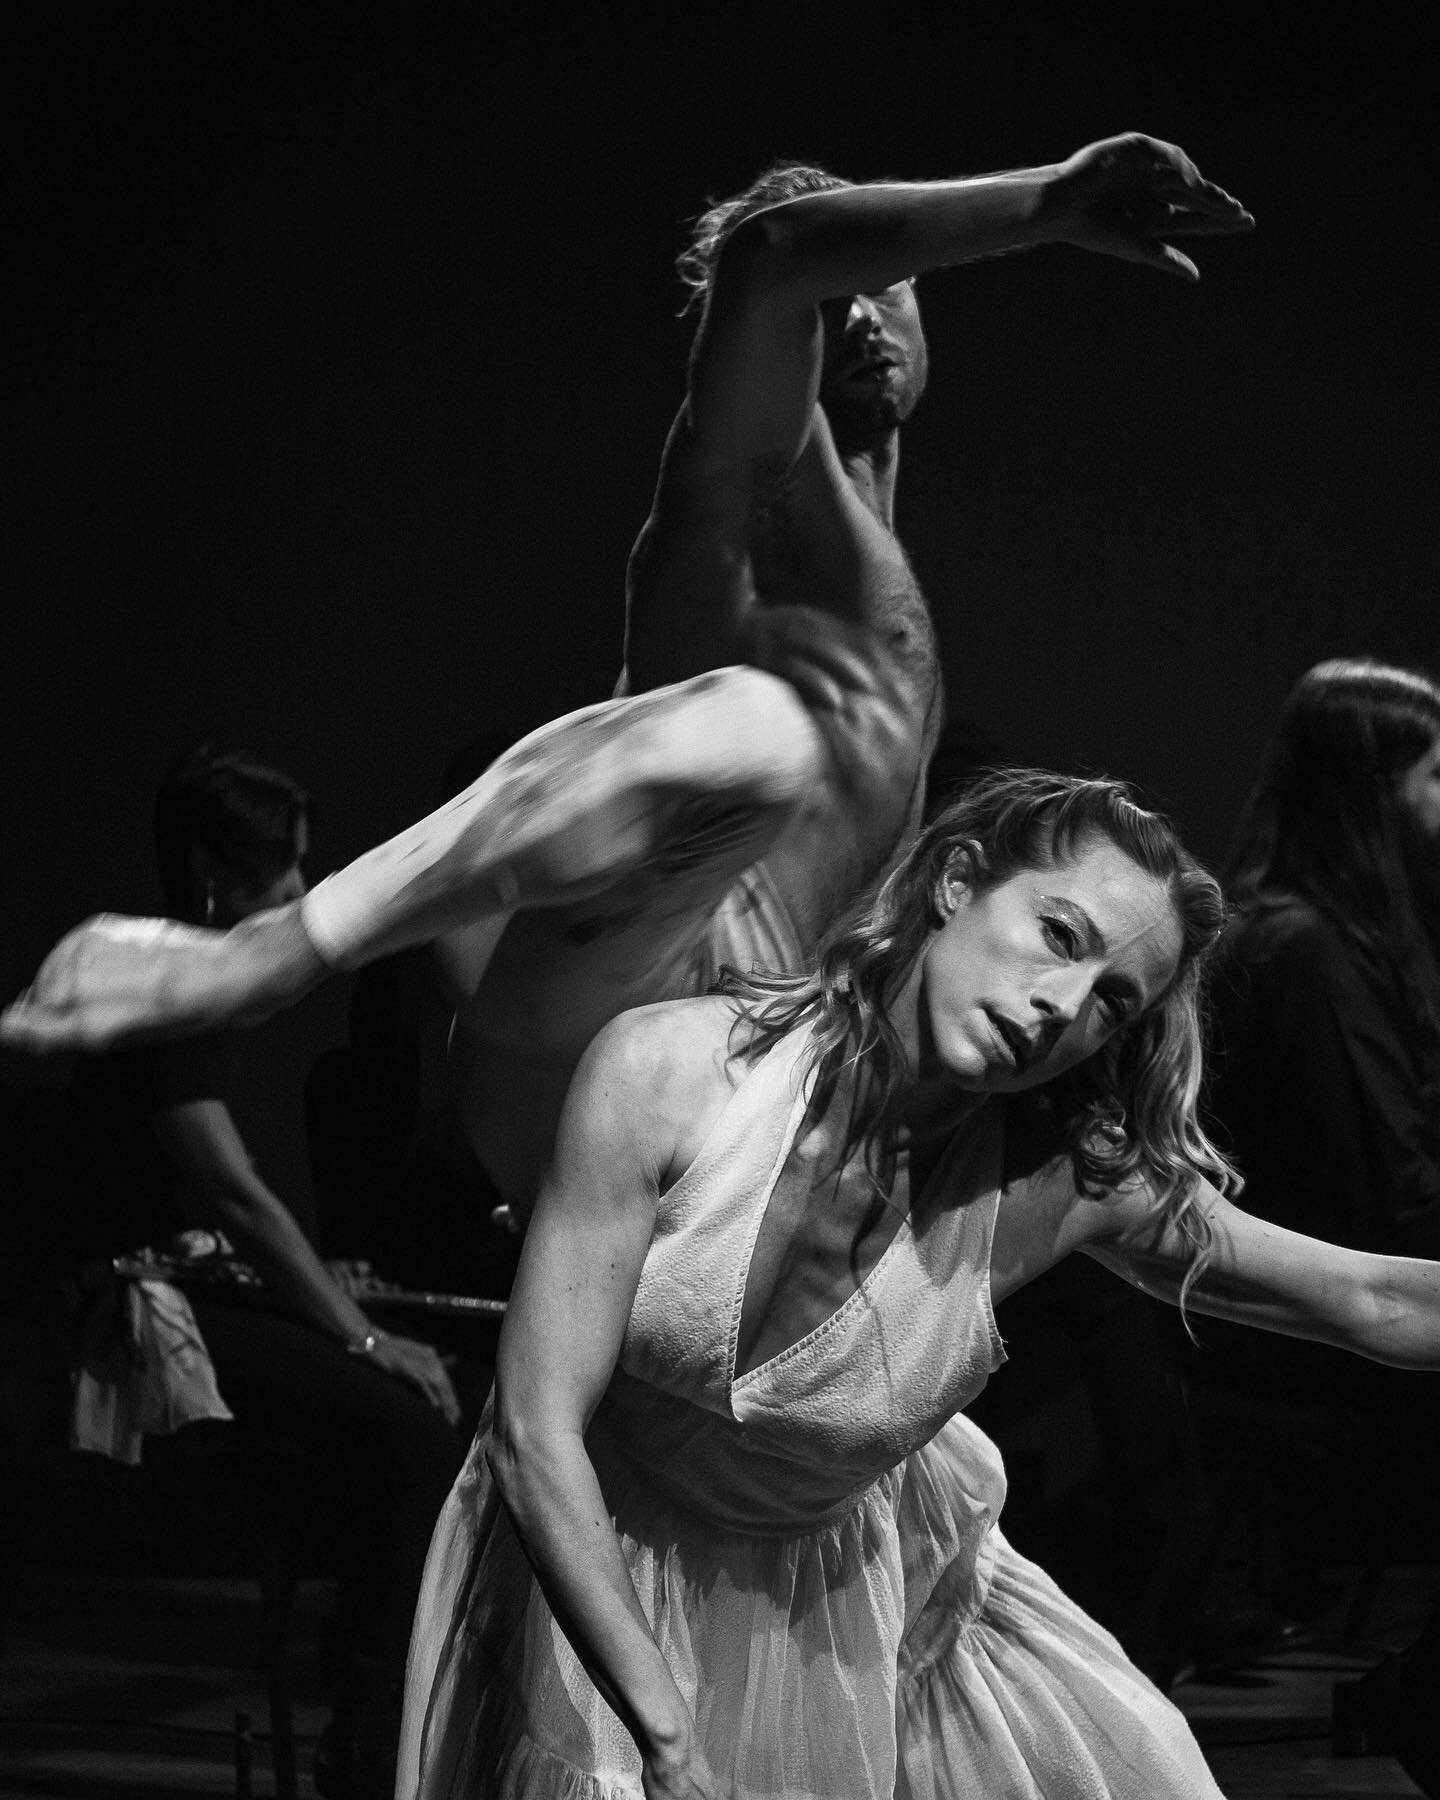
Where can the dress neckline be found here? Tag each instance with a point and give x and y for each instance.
(835, 1319)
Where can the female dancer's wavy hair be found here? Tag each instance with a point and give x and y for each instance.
(1131, 1110)
(1326, 821)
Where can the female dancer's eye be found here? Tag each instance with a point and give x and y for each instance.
(1115, 1007)
(1059, 935)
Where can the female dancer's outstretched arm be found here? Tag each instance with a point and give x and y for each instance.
(1386, 1308)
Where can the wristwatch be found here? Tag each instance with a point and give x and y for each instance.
(365, 1346)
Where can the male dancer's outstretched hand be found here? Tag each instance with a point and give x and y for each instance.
(120, 980)
(1128, 196)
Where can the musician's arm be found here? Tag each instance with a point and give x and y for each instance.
(200, 1141)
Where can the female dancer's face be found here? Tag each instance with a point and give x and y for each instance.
(1028, 977)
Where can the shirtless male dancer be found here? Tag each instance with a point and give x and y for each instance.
(765, 753)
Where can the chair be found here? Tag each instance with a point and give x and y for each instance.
(199, 1504)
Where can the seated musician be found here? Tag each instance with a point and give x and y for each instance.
(153, 1149)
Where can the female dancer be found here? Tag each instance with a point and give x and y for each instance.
(696, 1551)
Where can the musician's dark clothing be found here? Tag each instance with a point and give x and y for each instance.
(124, 1190)
(368, 1460)
(1319, 1084)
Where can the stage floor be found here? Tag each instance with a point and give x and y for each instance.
(132, 1688)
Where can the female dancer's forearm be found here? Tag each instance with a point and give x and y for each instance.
(1399, 1320)
(550, 1489)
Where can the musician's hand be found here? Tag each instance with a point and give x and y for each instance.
(352, 1276)
(418, 1365)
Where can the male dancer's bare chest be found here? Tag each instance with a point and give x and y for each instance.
(810, 547)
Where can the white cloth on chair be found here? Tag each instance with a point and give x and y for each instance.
(147, 1374)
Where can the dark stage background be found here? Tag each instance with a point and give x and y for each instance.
(344, 351)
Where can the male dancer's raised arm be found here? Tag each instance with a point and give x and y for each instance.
(770, 372)
(777, 486)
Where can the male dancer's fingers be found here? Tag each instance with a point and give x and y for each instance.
(1171, 261)
(117, 979)
(1167, 169)
(1151, 253)
(34, 1027)
(1193, 195)
(1127, 196)
(51, 1014)
(1171, 180)
(29, 1028)
(1151, 244)
(1195, 224)
(1145, 224)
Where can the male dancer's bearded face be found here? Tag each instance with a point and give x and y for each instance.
(876, 362)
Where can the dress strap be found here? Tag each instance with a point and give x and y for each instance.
(760, 1114)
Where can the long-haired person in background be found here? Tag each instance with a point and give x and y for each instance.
(1332, 1009)
(1327, 1092)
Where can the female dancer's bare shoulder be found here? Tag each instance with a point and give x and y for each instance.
(674, 1065)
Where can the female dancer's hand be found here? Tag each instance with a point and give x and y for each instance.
(419, 1367)
(680, 1774)
(1126, 196)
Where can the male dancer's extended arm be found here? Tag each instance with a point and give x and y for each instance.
(563, 815)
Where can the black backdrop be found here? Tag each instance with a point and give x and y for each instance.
(344, 348)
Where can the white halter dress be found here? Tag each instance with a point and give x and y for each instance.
(814, 1542)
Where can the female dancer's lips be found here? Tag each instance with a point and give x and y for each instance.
(1017, 1046)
